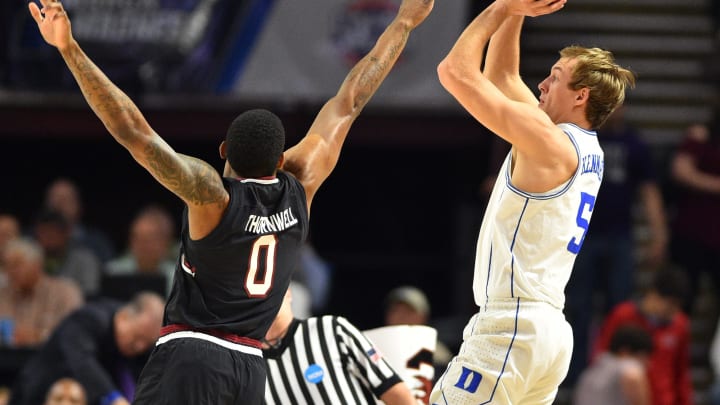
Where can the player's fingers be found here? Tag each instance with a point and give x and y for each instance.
(52, 9)
(59, 14)
(35, 12)
(548, 6)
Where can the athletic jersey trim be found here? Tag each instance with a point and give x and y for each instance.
(552, 193)
(260, 181)
(188, 334)
(225, 336)
(587, 131)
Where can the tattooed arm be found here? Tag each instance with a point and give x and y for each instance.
(315, 156)
(197, 183)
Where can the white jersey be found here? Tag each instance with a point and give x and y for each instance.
(528, 241)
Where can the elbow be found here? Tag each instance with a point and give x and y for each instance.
(131, 137)
(449, 74)
(347, 104)
(444, 72)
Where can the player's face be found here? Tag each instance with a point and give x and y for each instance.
(556, 97)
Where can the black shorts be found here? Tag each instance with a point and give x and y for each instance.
(199, 372)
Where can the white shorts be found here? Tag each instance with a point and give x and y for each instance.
(514, 352)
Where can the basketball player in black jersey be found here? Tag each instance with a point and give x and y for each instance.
(242, 230)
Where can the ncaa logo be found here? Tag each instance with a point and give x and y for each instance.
(359, 24)
(314, 373)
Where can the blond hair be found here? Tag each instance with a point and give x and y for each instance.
(607, 81)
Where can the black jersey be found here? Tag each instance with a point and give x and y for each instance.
(234, 279)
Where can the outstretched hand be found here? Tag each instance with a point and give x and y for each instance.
(533, 8)
(53, 22)
(415, 11)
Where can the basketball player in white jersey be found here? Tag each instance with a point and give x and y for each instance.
(517, 348)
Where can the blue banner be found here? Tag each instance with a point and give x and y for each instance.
(142, 45)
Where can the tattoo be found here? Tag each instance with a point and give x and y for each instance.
(373, 69)
(189, 178)
(112, 106)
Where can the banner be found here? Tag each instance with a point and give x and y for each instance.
(252, 50)
(306, 49)
(409, 350)
(142, 45)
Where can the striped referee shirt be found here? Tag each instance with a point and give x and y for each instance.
(326, 360)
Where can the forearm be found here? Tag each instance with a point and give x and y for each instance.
(685, 171)
(366, 76)
(120, 115)
(700, 181)
(469, 48)
(503, 54)
(335, 118)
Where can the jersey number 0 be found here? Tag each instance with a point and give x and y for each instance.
(262, 263)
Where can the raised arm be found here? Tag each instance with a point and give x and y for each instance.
(502, 62)
(315, 156)
(194, 181)
(540, 145)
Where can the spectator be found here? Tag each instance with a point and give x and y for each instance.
(339, 364)
(62, 195)
(407, 305)
(9, 230)
(66, 391)
(96, 346)
(608, 256)
(619, 376)
(4, 395)
(34, 301)
(658, 311)
(150, 239)
(715, 365)
(696, 228)
(63, 257)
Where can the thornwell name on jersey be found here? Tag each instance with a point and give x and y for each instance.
(274, 223)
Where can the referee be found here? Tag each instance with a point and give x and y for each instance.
(326, 360)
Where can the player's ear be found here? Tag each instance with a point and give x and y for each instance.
(223, 150)
(582, 96)
(281, 161)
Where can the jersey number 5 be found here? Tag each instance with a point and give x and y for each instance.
(587, 203)
(262, 260)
